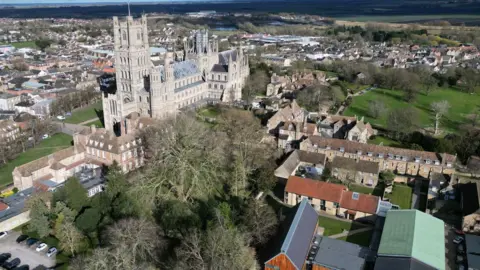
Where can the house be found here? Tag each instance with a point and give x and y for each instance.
(300, 246)
(12, 211)
(291, 113)
(8, 101)
(411, 240)
(398, 160)
(345, 127)
(332, 199)
(470, 201)
(9, 130)
(277, 83)
(301, 163)
(436, 183)
(292, 132)
(362, 172)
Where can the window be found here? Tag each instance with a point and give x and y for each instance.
(213, 77)
(124, 35)
(221, 86)
(225, 77)
(215, 86)
(218, 77)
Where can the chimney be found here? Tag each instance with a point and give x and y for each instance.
(93, 129)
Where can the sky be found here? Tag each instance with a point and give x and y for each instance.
(76, 1)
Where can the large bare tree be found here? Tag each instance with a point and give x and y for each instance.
(69, 236)
(261, 222)
(439, 109)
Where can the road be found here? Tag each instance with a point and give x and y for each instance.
(27, 255)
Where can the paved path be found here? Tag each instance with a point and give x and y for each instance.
(349, 233)
(88, 121)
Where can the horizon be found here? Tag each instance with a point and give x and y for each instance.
(73, 2)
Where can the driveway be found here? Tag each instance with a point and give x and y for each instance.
(29, 256)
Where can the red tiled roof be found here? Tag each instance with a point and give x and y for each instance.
(365, 203)
(315, 189)
(75, 164)
(3, 206)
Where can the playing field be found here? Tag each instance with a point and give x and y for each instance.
(84, 114)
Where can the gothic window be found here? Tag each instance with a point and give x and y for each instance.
(213, 77)
(209, 86)
(225, 77)
(221, 86)
(138, 35)
(124, 35)
(218, 77)
(140, 98)
(215, 86)
(148, 99)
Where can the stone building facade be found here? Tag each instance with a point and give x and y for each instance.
(398, 160)
(198, 75)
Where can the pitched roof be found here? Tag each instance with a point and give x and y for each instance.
(297, 156)
(315, 189)
(400, 263)
(355, 165)
(473, 249)
(354, 147)
(337, 254)
(300, 234)
(28, 168)
(411, 233)
(3, 206)
(360, 202)
(219, 68)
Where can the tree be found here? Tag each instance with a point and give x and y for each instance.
(387, 177)
(70, 237)
(261, 222)
(402, 121)
(376, 108)
(470, 79)
(256, 84)
(19, 64)
(88, 221)
(440, 109)
(313, 97)
(42, 44)
(39, 206)
(428, 81)
(76, 194)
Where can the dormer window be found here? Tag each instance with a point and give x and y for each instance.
(404, 158)
(110, 147)
(390, 156)
(370, 154)
(315, 146)
(328, 147)
(359, 152)
(398, 157)
(342, 149)
(380, 155)
(449, 164)
(121, 147)
(101, 144)
(437, 162)
(428, 161)
(417, 159)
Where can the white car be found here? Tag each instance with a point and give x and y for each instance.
(3, 234)
(45, 136)
(51, 251)
(41, 247)
(61, 117)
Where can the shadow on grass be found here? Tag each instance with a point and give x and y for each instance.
(100, 116)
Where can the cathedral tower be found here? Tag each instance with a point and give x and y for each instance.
(132, 66)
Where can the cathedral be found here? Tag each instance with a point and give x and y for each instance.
(198, 75)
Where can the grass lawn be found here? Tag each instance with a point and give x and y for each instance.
(401, 195)
(24, 44)
(209, 111)
(385, 141)
(461, 106)
(360, 189)
(84, 114)
(409, 18)
(362, 239)
(333, 226)
(44, 148)
(98, 123)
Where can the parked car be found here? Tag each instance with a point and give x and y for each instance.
(11, 264)
(460, 249)
(51, 251)
(3, 234)
(31, 241)
(61, 117)
(22, 238)
(22, 267)
(45, 136)
(458, 239)
(68, 114)
(41, 247)
(4, 257)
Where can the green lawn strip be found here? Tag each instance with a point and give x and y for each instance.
(333, 226)
(362, 238)
(84, 114)
(209, 112)
(44, 148)
(385, 141)
(97, 123)
(461, 106)
(22, 44)
(401, 195)
(360, 189)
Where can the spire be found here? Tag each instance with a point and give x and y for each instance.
(128, 4)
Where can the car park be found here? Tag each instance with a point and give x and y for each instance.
(22, 238)
(31, 241)
(11, 264)
(41, 247)
(4, 257)
(51, 251)
(3, 234)
(458, 239)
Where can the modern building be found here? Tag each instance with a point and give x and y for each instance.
(411, 240)
(196, 76)
(300, 246)
(401, 161)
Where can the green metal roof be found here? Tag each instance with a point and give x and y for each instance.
(411, 233)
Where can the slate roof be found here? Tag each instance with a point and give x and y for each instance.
(413, 234)
(473, 251)
(297, 156)
(220, 68)
(300, 234)
(354, 147)
(337, 254)
(355, 165)
(185, 69)
(223, 57)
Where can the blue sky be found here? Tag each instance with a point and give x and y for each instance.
(75, 1)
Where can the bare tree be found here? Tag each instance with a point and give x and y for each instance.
(440, 109)
(376, 108)
(426, 79)
(261, 221)
(70, 237)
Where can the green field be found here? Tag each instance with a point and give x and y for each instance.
(98, 123)
(410, 18)
(462, 105)
(19, 45)
(209, 111)
(84, 114)
(333, 226)
(44, 148)
(362, 239)
(360, 189)
(385, 141)
(401, 196)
